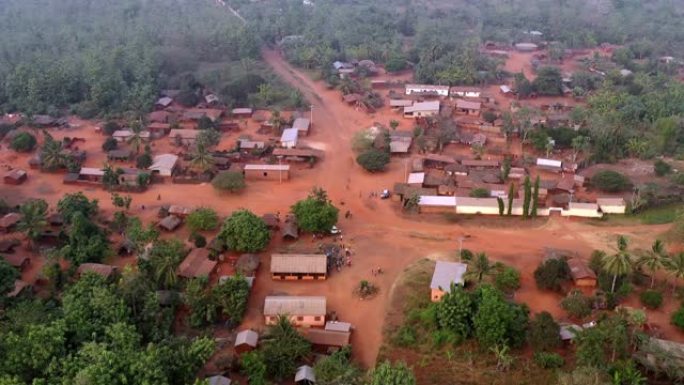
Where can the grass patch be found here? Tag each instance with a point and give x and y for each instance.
(652, 216)
(437, 357)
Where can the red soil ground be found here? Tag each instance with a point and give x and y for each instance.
(379, 234)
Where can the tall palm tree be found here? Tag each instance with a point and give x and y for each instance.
(202, 159)
(164, 268)
(52, 153)
(619, 263)
(479, 267)
(33, 219)
(135, 140)
(654, 258)
(675, 266)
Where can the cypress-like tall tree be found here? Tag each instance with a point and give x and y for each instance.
(511, 190)
(500, 202)
(527, 198)
(535, 197)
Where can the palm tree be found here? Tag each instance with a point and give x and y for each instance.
(135, 140)
(202, 159)
(675, 266)
(52, 153)
(33, 219)
(165, 270)
(479, 267)
(619, 263)
(654, 259)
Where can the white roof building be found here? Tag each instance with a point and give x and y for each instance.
(423, 107)
(549, 163)
(416, 178)
(427, 89)
(447, 273)
(164, 164)
(289, 138)
(437, 201)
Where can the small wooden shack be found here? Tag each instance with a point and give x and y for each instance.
(245, 341)
(267, 171)
(581, 274)
(16, 176)
(197, 264)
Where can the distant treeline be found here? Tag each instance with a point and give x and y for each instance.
(109, 57)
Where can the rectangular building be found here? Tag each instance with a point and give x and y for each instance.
(445, 274)
(427, 90)
(303, 311)
(299, 266)
(267, 171)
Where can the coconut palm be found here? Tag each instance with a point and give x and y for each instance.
(164, 267)
(202, 159)
(136, 140)
(33, 219)
(52, 153)
(479, 267)
(654, 258)
(619, 263)
(675, 266)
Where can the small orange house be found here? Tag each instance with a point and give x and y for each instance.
(303, 311)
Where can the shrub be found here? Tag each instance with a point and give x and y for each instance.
(23, 142)
(110, 144)
(202, 219)
(610, 181)
(405, 336)
(548, 360)
(678, 318)
(110, 126)
(577, 304)
(373, 160)
(200, 240)
(652, 299)
(543, 332)
(231, 181)
(551, 274)
(479, 192)
(507, 280)
(143, 161)
(315, 214)
(662, 168)
(678, 178)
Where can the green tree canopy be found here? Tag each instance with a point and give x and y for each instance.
(231, 181)
(397, 374)
(202, 219)
(282, 348)
(373, 160)
(245, 232)
(316, 213)
(23, 142)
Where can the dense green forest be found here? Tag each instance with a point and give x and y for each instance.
(103, 57)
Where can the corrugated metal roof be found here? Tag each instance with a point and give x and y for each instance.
(549, 163)
(267, 167)
(247, 337)
(295, 305)
(326, 337)
(416, 178)
(468, 105)
(447, 273)
(337, 326)
(299, 263)
(305, 373)
(422, 106)
(435, 200)
(289, 135)
(476, 202)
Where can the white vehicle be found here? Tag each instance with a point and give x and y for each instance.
(335, 231)
(385, 194)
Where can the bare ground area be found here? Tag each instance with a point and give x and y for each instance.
(379, 235)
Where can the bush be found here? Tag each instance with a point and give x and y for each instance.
(23, 142)
(109, 127)
(507, 280)
(678, 178)
(543, 332)
(405, 336)
(110, 144)
(143, 161)
(231, 181)
(610, 181)
(373, 160)
(479, 192)
(200, 240)
(661, 168)
(652, 299)
(577, 304)
(551, 274)
(202, 219)
(678, 318)
(548, 360)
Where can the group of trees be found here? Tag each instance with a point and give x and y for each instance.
(97, 333)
